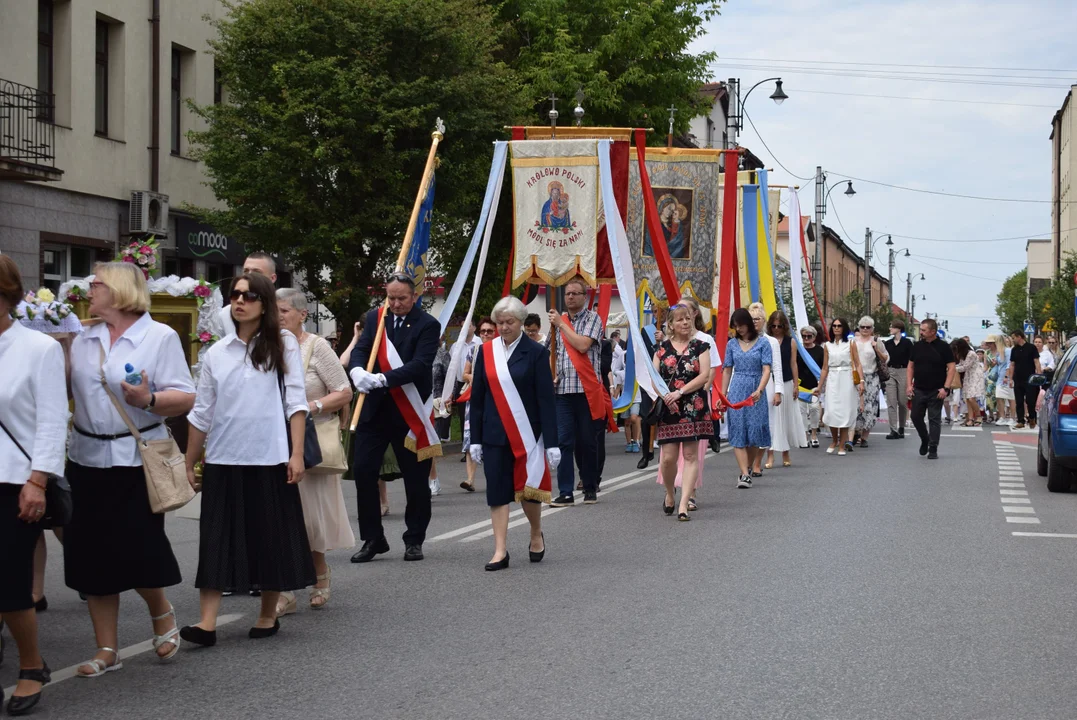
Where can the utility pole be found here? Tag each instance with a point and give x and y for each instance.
(867, 271)
(820, 208)
(912, 311)
(890, 280)
(733, 117)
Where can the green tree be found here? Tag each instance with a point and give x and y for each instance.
(1011, 305)
(1056, 300)
(318, 150)
(630, 57)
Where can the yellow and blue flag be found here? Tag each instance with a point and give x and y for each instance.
(415, 265)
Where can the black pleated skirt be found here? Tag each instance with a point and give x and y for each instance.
(114, 542)
(251, 531)
(17, 542)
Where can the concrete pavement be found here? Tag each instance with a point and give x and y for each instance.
(878, 585)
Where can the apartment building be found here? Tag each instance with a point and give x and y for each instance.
(93, 124)
(1063, 194)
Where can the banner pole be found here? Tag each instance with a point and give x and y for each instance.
(424, 187)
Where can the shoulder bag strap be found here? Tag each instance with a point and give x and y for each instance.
(20, 447)
(119, 408)
(309, 354)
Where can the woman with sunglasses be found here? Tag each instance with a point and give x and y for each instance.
(250, 416)
(745, 375)
(487, 331)
(786, 426)
(115, 542)
(872, 354)
(840, 361)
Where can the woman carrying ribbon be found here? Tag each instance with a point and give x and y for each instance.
(514, 427)
(745, 376)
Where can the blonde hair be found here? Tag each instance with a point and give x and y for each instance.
(673, 312)
(126, 283)
(756, 310)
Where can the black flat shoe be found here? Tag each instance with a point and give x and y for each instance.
(893, 436)
(756, 474)
(41, 605)
(370, 549)
(257, 633)
(501, 564)
(198, 636)
(22, 704)
(667, 509)
(643, 461)
(537, 556)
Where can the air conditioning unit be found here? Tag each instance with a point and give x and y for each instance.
(149, 213)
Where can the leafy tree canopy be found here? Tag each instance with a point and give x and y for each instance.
(1012, 303)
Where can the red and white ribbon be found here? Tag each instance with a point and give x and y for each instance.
(421, 439)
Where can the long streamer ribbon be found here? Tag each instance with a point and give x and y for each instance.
(768, 280)
(796, 280)
(723, 401)
(751, 242)
(728, 267)
(620, 255)
(654, 225)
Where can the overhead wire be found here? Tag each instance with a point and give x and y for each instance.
(868, 75)
(772, 155)
(955, 272)
(879, 64)
(924, 99)
(943, 193)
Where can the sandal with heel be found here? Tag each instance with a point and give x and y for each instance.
(324, 593)
(286, 605)
(169, 638)
(99, 666)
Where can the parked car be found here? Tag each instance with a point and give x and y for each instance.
(1056, 446)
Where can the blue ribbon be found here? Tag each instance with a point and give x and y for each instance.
(751, 253)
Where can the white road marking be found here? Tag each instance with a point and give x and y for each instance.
(1016, 500)
(1011, 473)
(1013, 492)
(1011, 485)
(1026, 520)
(1019, 510)
(970, 437)
(72, 670)
(1068, 536)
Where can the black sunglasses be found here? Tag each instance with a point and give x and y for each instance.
(867, 327)
(247, 295)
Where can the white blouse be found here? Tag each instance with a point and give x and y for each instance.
(33, 404)
(146, 345)
(240, 408)
(716, 359)
(777, 382)
(868, 359)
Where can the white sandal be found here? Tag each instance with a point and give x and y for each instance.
(171, 637)
(322, 592)
(99, 666)
(286, 604)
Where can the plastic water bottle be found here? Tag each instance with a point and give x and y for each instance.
(133, 378)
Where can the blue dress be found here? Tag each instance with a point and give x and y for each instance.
(749, 426)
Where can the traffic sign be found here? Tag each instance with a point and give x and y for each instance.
(1030, 328)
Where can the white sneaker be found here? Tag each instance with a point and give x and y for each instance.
(435, 487)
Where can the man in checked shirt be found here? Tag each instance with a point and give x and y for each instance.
(577, 432)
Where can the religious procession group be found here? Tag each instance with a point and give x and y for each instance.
(263, 416)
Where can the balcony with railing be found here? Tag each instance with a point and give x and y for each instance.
(27, 133)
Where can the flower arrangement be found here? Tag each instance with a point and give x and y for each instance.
(42, 311)
(205, 337)
(142, 253)
(202, 291)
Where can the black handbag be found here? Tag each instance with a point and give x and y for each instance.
(312, 450)
(58, 506)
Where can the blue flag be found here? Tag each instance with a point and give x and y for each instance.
(415, 265)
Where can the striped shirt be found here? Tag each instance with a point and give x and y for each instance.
(586, 324)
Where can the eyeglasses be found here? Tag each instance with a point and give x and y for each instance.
(867, 327)
(247, 295)
(574, 294)
(97, 284)
(775, 327)
(836, 325)
(487, 331)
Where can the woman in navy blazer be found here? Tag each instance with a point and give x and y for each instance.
(529, 367)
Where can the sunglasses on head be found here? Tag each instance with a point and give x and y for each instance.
(247, 295)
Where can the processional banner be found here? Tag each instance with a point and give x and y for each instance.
(556, 204)
(684, 189)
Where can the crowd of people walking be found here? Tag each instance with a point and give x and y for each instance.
(264, 445)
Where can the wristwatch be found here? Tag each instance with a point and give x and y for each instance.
(318, 404)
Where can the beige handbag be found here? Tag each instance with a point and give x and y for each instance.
(162, 462)
(334, 459)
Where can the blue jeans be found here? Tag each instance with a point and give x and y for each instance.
(577, 434)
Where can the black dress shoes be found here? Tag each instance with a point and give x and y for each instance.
(412, 552)
(643, 461)
(22, 704)
(893, 436)
(499, 565)
(370, 549)
(257, 633)
(198, 636)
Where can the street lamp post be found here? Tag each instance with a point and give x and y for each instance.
(908, 294)
(912, 312)
(821, 195)
(890, 271)
(869, 251)
(735, 119)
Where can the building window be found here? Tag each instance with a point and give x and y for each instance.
(176, 133)
(101, 79)
(45, 36)
(218, 89)
(61, 263)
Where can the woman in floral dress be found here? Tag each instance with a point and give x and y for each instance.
(972, 383)
(683, 363)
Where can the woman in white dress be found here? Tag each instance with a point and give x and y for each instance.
(775, 389)
(872, 354)
(328, 390)
(840, 361)
(786, 416)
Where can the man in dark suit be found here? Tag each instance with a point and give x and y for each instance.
(415, 335)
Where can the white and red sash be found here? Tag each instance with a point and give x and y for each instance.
(531, 475)
(421, 439)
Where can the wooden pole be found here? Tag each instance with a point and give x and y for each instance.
(424, 186)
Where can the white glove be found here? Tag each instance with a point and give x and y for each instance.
(380, 381)
(364, 381)
(476, 453)
(553, 457)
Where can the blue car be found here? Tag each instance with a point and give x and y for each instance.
(1056, 446)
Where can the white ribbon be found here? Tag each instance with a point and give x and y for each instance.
(796, 279)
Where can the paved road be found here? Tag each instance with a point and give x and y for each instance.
(879, 585)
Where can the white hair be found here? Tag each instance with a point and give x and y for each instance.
(296, 298)
(866, 320)
(509, 305)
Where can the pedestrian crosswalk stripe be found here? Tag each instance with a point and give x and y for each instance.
(1028, 520)
(1022, 510)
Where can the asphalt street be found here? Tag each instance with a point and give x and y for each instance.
(877, 585)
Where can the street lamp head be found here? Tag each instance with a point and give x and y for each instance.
(906, 252)
(889, 240)
(922, 276)
(778, 96)
(849, 192)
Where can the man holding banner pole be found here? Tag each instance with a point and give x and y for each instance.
(581, 409)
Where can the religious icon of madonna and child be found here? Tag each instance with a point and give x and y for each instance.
(555, 210)
(675, 215)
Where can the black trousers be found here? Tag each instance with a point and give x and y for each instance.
(924, 401)
(371, 439)
(1026, 398)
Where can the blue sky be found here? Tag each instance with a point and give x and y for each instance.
(990, 144)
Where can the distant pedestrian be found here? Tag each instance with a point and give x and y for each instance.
(533, 328)
(811, 411)
(929, 375)
(1004, 395)
(872, 353)
(972, 383)
(841, 363)
(898, 349)
(1024, 362)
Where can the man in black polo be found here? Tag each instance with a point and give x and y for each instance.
(1024, 361)
(930, 372)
